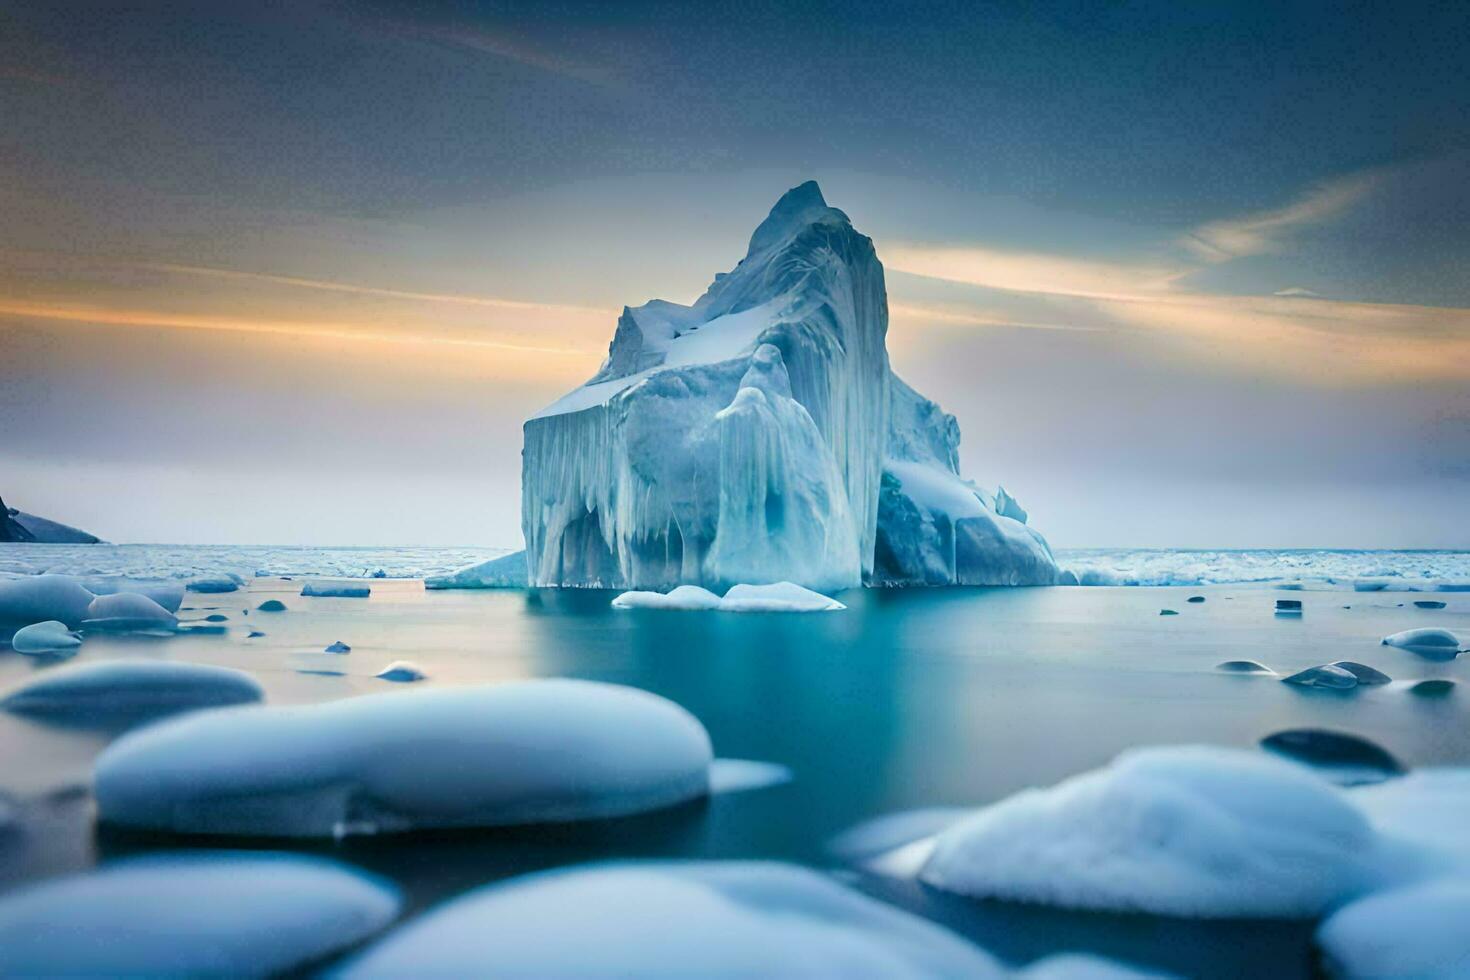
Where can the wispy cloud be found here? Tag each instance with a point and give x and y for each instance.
(1029, 272)
(505, 46)
(917, 314)
(1220, 241)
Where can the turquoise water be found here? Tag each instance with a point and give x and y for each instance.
(907, 699)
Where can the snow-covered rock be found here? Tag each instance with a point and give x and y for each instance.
(402, 671)
(129, 687)
(747, 438)
(505, 572)
(777, 597)
(39, 598)
(722, 919)
(1412, 933)
(335, 590)
(1432, 643)
(525, 752)
(50, 637)
(1188, 831)
(124, 611)
(197, 914)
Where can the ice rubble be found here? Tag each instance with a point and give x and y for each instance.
(204, 913)
(129, 687)
(1414, 932)
(49, 637)
(524, 752)
(759, 436)
(724, 919)
(777, 597)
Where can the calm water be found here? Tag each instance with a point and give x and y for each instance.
(908, 699)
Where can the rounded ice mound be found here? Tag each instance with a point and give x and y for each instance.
(42, 638)
(129, 687)
(224, 913)
(214, 584)
(1434, 643)
(1243, 667)
(42, 597)
(729, 919)
(690, 597)
(780, 597)
(1345, 759)
(1329, 676)
(337, 647)
(169, 595)
(402, 671)
(1417, 931)
(1187, 831)
(527, 752)
(271, 605)
(125, 611)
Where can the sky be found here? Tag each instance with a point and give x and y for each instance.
(295, 273)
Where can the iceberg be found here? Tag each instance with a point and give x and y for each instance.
(132, 688)
(542, 751)
(49, 637)
(685, 919)
(759, 436)
(199, 914)
(777, 597)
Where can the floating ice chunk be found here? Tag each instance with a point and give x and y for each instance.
(338, 647)
(1243, 667)
(214, 584)
(110, 688)
(253, 634)
(1367, 676)
(42, 597)
(505, 572)
(1433, 688)
(169, 595)
(1434, 643)
(780, 597)
(1347, 760)
(327, 590)
(207, 913)
(1429, 603)
(1288, 606)
(1188, 831)
(526, 752)
(1168, 612)
(1077, 966)
(42, 638)
(402, 671)
(733, 919)
(125, 611)
(271, 605)
(1195, 599)
(739, 775)
(1414, 932)
(1329, 676)
(687, 597)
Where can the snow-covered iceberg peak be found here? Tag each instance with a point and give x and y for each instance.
(743, 438)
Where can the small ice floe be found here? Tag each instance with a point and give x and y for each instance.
(124, 612)
(271, 605)
(1187, 831)
(541, 751)
(196, 914)
(1288, 607)
(43, 597)
(780, 597)
(739, 775)
(1433, 644)
(216, 618)
(1369, 585)
(402, 671)
(677, 919)
(1195, 598)
(505, 572)
(1243, 667)
(1328, 676)
(205, 629)
(1435, 687)
(1429, 603)
(215, 583)
(1367, 676)
(1417, 931)
(1347, 760)
(169, 595)
(1168, 612)
(327, 590)
(48, 638)
(338, 647)
(131, 688)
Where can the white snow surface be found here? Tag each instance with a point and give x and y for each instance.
(1412, 933)
(704, 919)
(1188, 831)
(777, 597)
(129, 687)
(200, 913)
(526, 752)
(48, 637)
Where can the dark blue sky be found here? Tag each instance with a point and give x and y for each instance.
(1250, 216)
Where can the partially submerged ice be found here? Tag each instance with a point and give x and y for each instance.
(197, 914)
(759, 435)
(727, 919)
(526, 752)
(777, 597)
(131, 688)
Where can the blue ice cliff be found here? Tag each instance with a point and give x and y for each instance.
(759, 436)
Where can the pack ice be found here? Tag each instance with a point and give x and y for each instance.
(759, 436)
(525, 752)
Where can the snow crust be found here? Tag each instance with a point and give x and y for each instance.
(129, 687)
(505, 572)
(716, 919)
(778, 597)
(1414, 932)
(49, 637)
(525, 752)
(203, 913)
